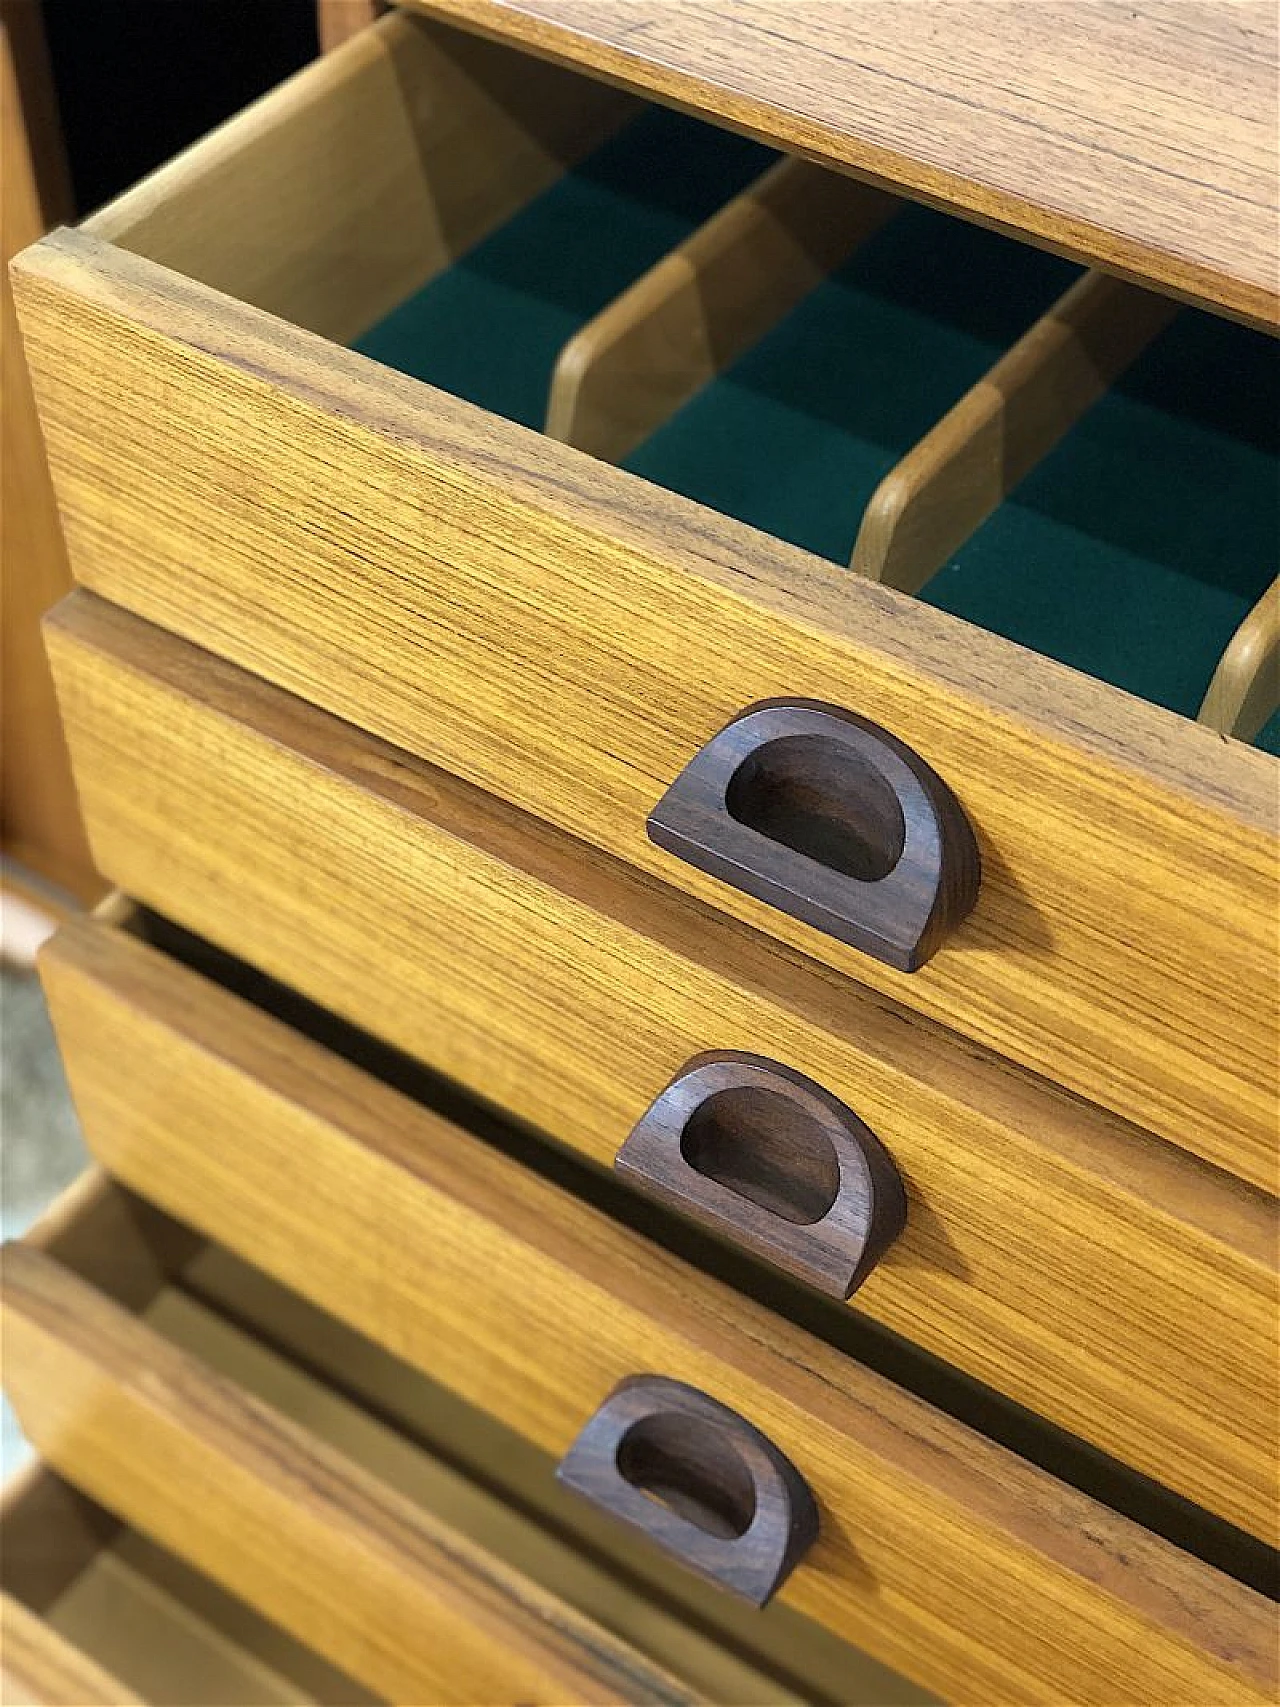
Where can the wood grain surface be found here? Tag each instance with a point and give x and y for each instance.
(278, 1372)
(40, 1668)
(802, 1660)
(566, 636)
(343, 191)
(489, 1513)
(944, 1555)
(355, 1570)
(1093, 1273)
(39, 820)
(1140, 136)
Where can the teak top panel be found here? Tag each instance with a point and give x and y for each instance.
(1141, 137)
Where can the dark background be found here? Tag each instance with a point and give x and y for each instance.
(139, 79)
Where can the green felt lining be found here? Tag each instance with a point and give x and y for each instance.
(798, 433)
(1138, 546)
(1132, 552)
(490, 328)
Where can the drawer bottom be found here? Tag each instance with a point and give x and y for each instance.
(94, 1612)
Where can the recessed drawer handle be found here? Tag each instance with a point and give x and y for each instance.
(699, 1480)
(831, 819)
(763, 1155)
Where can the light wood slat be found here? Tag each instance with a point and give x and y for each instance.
(943, 1555)
(945, 488)
(40, 1668)
(343, 191)
(1141, 136)
(1097, 1275)
(1245, 690)
(630, 368)
(356, 1571)
(568, 636)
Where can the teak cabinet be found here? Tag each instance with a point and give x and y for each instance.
(675, 656)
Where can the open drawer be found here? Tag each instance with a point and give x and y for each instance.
(1091, 1272)
(93, 1614)
(569, 636)
(944, 1555)
(360, 1543)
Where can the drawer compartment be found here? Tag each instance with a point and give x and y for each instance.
(568, 636)
(1084, 1268)
(1104, 493)
(944, 1555)
(93, 1614)
(144, 1424)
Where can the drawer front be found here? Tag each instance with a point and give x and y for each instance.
(568, 637)
(410, 1607)
(943, 1555)
(1089, 1271)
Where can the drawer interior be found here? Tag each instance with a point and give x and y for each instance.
(490, 326)
(481, 221)
(797, 434)
(1139, 545)
(162, 1631)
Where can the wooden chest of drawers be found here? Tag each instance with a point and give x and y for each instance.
(485, 803)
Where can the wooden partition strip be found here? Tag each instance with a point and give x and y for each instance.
(338, 20)
(1245, 689)
(962, 470)
(628, 370)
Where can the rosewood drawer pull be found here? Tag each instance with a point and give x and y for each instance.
(699, 1480)
(757, 1151)
(828, 817)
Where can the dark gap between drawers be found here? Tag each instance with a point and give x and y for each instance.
(1012, 1425)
